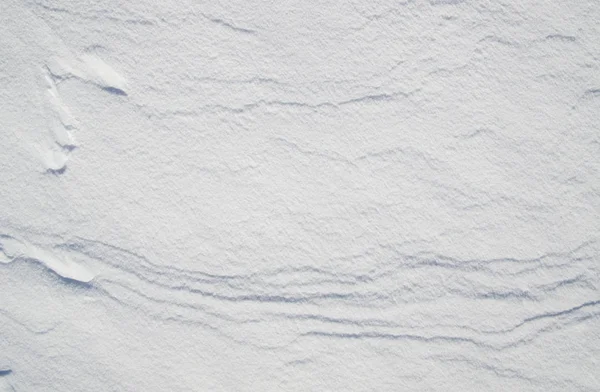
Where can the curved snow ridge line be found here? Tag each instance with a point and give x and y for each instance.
(13, 249)
(397, 263)
(35, 330)
(223, 302)
(498, 341)
(274, 286)
(190, 305)
(132, 280)
(416, 273)
(293, 326)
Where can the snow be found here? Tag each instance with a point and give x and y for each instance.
(344, 195)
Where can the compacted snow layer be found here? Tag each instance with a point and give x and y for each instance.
(299, 195)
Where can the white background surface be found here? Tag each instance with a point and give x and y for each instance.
(293, 195)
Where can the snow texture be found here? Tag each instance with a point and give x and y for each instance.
(299, 195)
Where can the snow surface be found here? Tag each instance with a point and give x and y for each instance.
(299, 195)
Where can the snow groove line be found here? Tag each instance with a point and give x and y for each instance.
(345, 290)
(314, 303)
(183, 282)
(477, 341)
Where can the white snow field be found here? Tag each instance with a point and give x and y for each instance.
(373, 195)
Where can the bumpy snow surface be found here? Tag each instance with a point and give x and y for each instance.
(356, 195)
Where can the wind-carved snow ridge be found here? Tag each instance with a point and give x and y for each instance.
(62, 127)
(100, 73)
(13, 249)
(89, 68)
